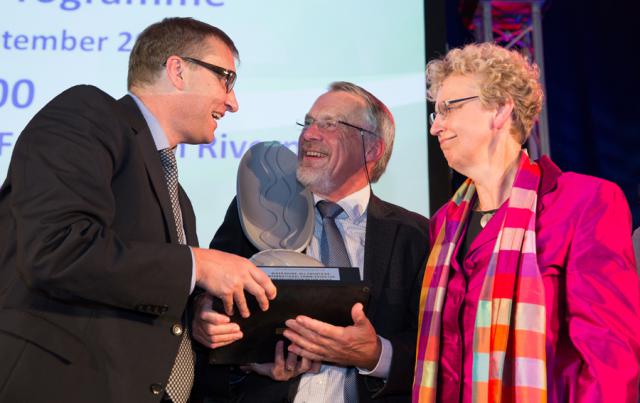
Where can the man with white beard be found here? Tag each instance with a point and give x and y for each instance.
(345, 143)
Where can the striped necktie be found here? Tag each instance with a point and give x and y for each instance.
(181, 378)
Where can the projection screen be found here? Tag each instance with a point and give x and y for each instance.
(289, 52)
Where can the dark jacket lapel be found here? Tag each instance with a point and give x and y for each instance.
(550, 173)
(188, 218)
(379, 239)
(151, 160)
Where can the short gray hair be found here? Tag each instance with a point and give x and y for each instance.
(379, 116)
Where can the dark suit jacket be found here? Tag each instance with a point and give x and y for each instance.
(91, 277)
(396, 246)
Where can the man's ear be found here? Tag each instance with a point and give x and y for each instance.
(174, 69)
(375, 149)
(503, 114)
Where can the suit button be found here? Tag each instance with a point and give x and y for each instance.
(176, 330)
(156, 388)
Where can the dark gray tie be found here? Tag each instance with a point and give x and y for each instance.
(333, 253)
(181, 378)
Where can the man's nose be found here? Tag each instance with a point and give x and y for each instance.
(232, 102)
(311, 132)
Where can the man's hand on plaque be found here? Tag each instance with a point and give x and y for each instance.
(283, 370)
(210, 328)
(228, 276)
(357, 345)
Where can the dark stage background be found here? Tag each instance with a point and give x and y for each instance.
(592, 87)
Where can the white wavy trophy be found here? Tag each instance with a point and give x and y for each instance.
(276, 211)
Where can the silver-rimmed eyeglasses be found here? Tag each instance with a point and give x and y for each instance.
(329, 125)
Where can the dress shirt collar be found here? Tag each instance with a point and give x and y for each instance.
(157, 132)
(354, 205)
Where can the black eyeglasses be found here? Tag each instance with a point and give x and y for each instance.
(329, 125)
(446, 108)
(229, 76)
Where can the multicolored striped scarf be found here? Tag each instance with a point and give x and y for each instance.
(509, 334)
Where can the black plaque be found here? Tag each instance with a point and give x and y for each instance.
(325, 294)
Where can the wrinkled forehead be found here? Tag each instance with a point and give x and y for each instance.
(338, 105)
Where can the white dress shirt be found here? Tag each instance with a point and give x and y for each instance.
(328, 384)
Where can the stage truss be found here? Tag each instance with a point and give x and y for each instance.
(514, 24)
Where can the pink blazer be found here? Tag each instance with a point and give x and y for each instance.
(585, 255)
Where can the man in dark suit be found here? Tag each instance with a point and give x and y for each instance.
(95, 268)
(347, 137)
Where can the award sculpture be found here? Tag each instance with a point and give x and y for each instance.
(277, 216)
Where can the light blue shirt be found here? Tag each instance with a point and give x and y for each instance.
(161, 142)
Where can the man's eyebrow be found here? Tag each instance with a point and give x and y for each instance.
(326, 117)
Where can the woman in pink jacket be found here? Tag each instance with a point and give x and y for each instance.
(530, 292)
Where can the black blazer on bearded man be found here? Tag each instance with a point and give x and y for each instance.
(396, 248)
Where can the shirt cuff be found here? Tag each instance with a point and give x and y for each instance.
(381, 370)
(193, 271)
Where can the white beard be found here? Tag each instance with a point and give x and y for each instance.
(316, 180)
